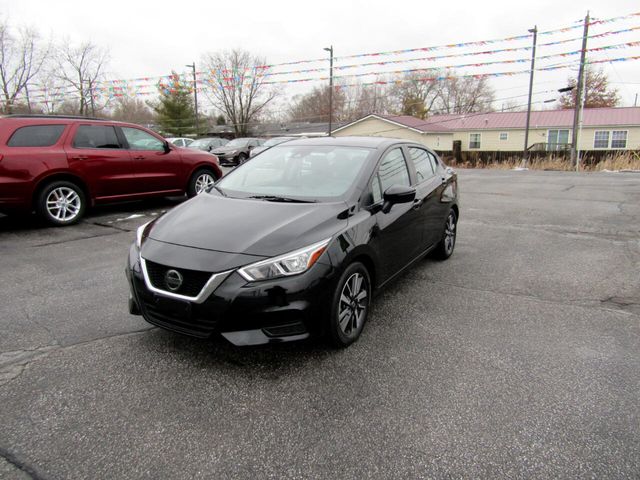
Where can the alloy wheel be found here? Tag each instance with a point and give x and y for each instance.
(450, 233)
(63, 204)
(352, 307)
(204, 181)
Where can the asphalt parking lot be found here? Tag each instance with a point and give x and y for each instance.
(519, 357)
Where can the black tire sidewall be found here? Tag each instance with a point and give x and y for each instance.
(41, 207)
(335, 334)
(191, 187)
(441, 250)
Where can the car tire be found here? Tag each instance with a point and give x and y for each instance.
(447, 244)
(242, 158)
(201, 179)
(350, 305)
(61, 203)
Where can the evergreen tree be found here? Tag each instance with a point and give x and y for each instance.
(175, 107)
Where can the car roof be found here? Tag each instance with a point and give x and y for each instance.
(60, 119)
(363, 142)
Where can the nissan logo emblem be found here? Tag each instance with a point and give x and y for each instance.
(173, 280)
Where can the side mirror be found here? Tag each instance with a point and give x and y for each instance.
(209, 148)
(251, 147)
(166, 147)
(397, 194)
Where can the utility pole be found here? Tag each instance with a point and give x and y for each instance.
(195, 93)
(577, 109)
(525, 153)
(330, 50)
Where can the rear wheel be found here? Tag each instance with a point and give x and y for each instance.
(444, 249)
(242, 158)
(200, 181)
(61, 203)
(350, 305)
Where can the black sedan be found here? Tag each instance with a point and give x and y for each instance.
(295, 242)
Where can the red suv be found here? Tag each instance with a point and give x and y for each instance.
(58, 166)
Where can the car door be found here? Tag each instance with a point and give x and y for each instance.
(97, 154)
(398, 233)
(155, 169)
(428, 186)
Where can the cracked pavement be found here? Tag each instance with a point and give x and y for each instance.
(517, 358)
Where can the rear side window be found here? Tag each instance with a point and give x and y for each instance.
(96, 136)
(36, 136)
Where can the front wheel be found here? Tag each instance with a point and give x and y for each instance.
(350, 305)
(61, 203)
(444, 249)
(200, 181)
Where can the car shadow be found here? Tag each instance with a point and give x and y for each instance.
(270, 361)
(26, 222)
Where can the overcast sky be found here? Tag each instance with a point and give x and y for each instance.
(152, 38)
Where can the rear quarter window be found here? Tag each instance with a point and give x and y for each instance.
(36, 136)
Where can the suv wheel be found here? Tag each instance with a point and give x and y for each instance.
(200, 181)
(61, 203)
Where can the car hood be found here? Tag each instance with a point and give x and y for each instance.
(248, 226)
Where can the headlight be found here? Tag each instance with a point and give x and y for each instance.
(140, 234)
(285, 265)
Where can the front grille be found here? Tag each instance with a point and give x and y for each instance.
(193, 280)
(178, 316)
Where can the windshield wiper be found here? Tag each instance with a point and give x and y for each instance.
(275, 198)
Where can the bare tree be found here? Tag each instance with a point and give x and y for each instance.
(415, 93)
(314, 106)
(598, 92)
(237, 87)
(464, 94)
(131, 109)
(22, 55)
(81, 69)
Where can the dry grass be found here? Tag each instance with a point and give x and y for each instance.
(614, 162)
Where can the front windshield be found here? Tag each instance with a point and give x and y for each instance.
(238, 142)
(307, 172)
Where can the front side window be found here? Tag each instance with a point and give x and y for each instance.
(601, 139)
(422, 163)
(619, 139)
(95, 136)
(139, 140)
(393, 170)
(474, 140)
(36, 136)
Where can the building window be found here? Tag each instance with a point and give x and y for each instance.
(601, 139)
(619, 139)
(504, 135)
(474, 140)
(557, 140)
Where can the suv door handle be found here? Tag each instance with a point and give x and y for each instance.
(139, 157)
(79, 157)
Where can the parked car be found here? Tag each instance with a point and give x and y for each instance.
(58, 166)
(302, 236)
(208, 144)
(236, 151)
(180, 141)
(272, 142)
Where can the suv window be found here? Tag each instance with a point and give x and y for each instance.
(393, 170)
(423, 162)
(139, 140)
(96, 136)
(36, 136)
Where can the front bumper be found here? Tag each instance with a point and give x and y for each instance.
(245, 313)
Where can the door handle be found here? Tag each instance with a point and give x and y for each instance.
(79, 157)
(139, 157)
(417, 203)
